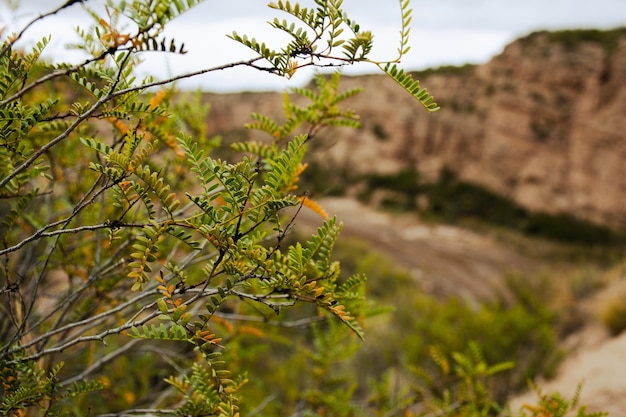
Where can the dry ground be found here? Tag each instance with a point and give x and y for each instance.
(446, 260)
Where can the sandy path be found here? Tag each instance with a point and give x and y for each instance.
(600, 365)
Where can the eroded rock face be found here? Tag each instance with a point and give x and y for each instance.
(543, 123)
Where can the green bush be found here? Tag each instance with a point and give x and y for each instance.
(571, 39)
(131, 254)
(516, 333)
(318, 180)
(453, 200)
(404, 185)
(613, 314)
(141, 275)
(525, 332)
(460, 70)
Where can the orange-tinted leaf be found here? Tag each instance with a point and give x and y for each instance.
(313, 205)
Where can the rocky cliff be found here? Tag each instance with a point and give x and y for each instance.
(543, 123)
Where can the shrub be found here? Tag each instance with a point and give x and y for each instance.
(131, 257)
(453, 199)
(524, 331)
(130, 254)
(405, 184)
(613, 314)
(608, 39)
(459, 70)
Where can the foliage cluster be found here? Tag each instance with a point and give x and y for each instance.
(142, 276)
(321, 181)
(404, 184)
(401, 375)
(460, 70)
(613, 313)
(525, 331)
(453, 200)
(570, 39)
(131, 256)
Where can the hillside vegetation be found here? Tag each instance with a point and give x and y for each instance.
(157, 259)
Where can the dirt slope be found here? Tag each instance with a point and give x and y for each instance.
(446, 260)
(599, 365)
(449, 260)
(595, 360)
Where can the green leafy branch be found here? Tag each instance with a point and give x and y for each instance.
(328, 22)
(412, 86)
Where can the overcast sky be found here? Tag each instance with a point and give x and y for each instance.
(444, 32)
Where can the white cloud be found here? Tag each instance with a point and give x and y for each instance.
(443, 32)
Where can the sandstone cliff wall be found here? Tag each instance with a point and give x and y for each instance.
(543, 123)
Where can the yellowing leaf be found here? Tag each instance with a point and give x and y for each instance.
(253, 331)
(156, 99)
(313, 205)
